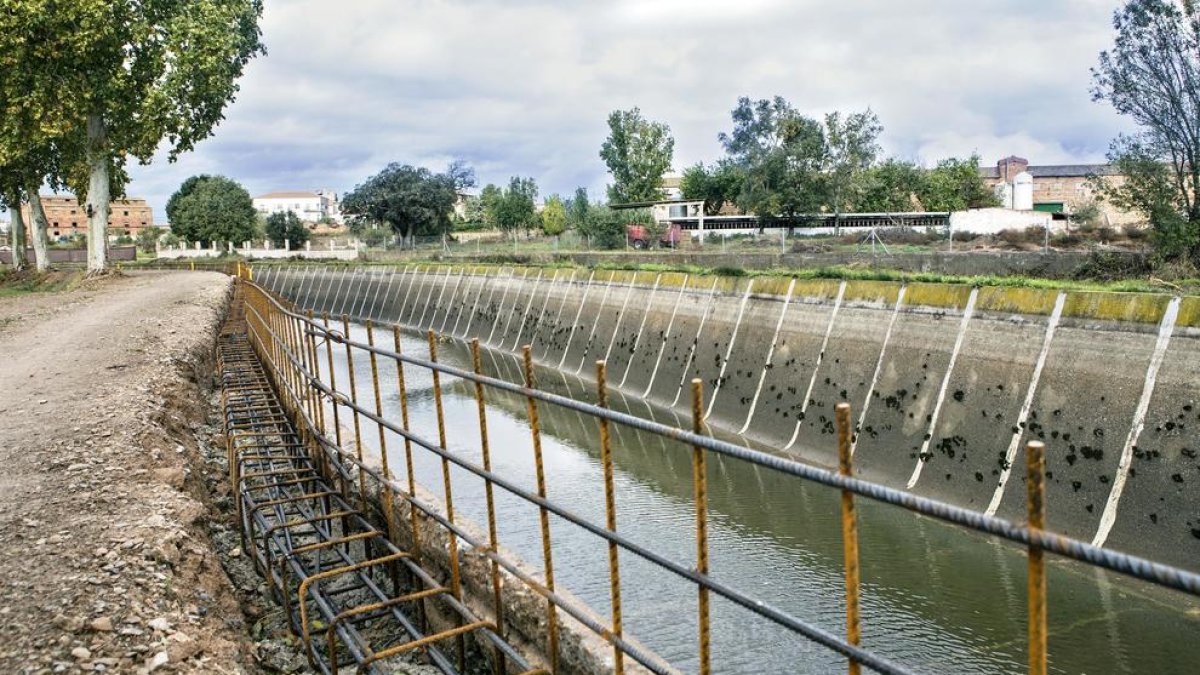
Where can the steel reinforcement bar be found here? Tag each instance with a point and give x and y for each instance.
(353, 597)
(287, 340)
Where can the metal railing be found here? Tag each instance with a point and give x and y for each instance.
(288, 340)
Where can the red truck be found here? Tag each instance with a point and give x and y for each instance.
(639, 236)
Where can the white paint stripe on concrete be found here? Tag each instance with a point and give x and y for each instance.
(434, 284)
(453, 296)
(579, 312)
(412, 281)
(466, 299)
(666, 336)
(637, 340)
(352, 282)
(1014, 443)
(762, 377)
(504, 298)
(941, 397)
(537, 323)
(712, 401)
(343, 283)
(326, 289)
(712, 292)
(617, 325)
(381, 296)
(563, 305)
(441, 296)
(887, 338)
(491, 293)
(812, 381)
(335, 286)
(587, 347)
(528, 306)
(364, 294)
(1165, 329)
(508, 318)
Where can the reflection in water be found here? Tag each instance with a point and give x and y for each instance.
(935, 597)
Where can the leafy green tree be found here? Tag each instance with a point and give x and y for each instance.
(956, 185)
(489, 201)
(212, 209)
(716, 185)
(554, 216)
(113, 79)
(606, 227)
(637, 152)
(1152, 75)
(285, 226)
(852, 144)
(411, 200)
(782, 157)
(889, 187)
(578, 209)
(147, 239)
(515, 209)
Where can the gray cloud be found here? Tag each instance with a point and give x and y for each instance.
(524, 87)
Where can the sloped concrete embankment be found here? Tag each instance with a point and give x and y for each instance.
(947, 382)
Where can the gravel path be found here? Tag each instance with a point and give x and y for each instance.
(105, 557)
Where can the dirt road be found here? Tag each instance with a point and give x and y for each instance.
(105, 563)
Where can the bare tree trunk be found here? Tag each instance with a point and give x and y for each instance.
(16, 235)
(98, 196)
(41, 242)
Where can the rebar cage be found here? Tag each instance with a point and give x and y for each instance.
(297, 352)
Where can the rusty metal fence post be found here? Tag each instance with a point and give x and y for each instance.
(610, 515)
(493, 538)
(544, 515)
(700, 493)
(1035, 461)
(849, 534)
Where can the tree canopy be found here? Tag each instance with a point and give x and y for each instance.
(513, 208)
(285, 226)
(637, 153)
(554, 216)
(716, 184)
(1152, 76)
(410, 200)
(210, 209)
(102, 81)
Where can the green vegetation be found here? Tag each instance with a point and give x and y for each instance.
(410, 200)
(554, 216)
(637, 152)
(1152, 75)
(19, 283)
(147, 239)
(138, 73)
(285, 226)
(212, 208)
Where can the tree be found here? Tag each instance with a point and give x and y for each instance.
(852, 144)
(956, 185)
(147, 239)
(285, 226)
(489, 201)
(716, 185)
(554, 216)
(637, 152)
(578, 209)
(889, 187)
(1152, 75)
(210, 209)
(16, 230)
(781, 155)
(114, 79)
(410, 200)
(514, 209)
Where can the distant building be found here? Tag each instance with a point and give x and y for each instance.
(66, 218)
(672, 184)
(1058, 188)
(310, 207)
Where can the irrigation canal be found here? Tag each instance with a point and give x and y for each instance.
(935, 598)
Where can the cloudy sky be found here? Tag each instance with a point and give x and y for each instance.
(524, 86)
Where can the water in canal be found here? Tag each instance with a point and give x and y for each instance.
(935, 598)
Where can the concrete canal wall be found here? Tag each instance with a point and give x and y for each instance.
(947, 382)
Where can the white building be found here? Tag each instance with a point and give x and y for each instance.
(309, 207)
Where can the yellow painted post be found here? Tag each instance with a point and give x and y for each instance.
(1035, 461)
(700, 493)
(610, 515)
(544, 515)
(849, 533)
(493, 538)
